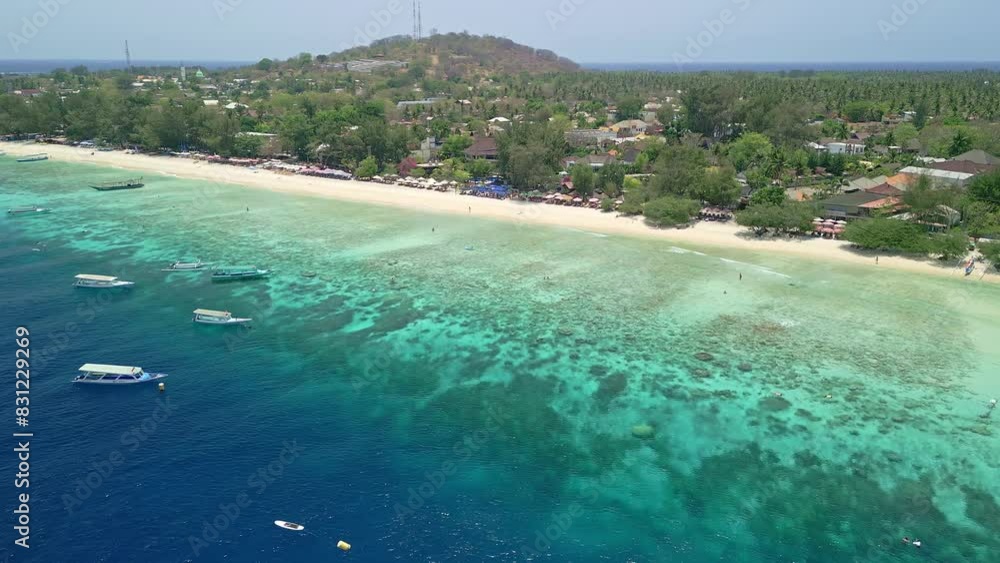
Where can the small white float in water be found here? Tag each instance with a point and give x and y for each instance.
(289, 525)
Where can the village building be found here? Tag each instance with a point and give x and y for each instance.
(483, 147)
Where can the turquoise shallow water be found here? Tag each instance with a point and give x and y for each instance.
(457, 405)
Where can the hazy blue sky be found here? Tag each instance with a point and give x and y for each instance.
(592, 31)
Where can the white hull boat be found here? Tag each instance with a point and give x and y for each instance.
(185, 267)
(100, 282)
(103, 374)
(27, 211)
(211, 317)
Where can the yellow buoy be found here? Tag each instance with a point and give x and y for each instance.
(163, 387)
(344, 546)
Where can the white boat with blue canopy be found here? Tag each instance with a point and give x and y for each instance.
(100, 282)
(103, 374)
(211, 317)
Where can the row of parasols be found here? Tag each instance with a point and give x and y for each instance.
(566, 199)
(829, 226)
(425, 183)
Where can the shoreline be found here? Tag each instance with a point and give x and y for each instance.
(703, 234)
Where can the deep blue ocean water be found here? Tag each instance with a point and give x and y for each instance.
(425, 402)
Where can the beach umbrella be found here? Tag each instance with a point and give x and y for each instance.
(577, 200)
(550, 196)
(594, 200)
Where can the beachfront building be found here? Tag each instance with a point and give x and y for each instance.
(428, 150)
(857, 205)
(483, 147)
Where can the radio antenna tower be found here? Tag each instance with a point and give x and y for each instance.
(128, 57)
(416, 32)
(420, 21)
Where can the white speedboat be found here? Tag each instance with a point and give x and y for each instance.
(210, 317)
(102, 374)
(100, 282)
(195, 266)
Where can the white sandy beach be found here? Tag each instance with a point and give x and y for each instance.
(705, 234)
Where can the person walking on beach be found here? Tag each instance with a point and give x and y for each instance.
(876, 260)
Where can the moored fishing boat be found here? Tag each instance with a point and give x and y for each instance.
(195, 266)
(122, 185)
(34, 157)
(27, 210)
(211, 317)
(100, 282)
(233, 273)
(103, 374)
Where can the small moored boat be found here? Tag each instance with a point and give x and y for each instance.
(195, 266)
(102, 374)
(210, 317)
(33, 157)
(234, 273)
(100, 282)
(28, 210)
(122, 185)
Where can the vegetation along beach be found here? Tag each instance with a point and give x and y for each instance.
(484, 304)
